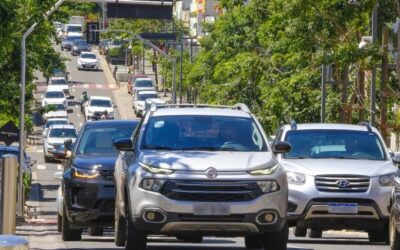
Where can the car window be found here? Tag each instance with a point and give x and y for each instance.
(89, 56)
(144, 97)
(100, 103)
(54, 94)
(56, 122)
(57, 107)
(143, 83)
(100, 140)
(59, 81)
(344, 144)
(74, 29)
(72, 38)
(63, 133)
(200, 132)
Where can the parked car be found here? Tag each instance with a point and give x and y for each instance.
(340, 177)
(57, 110)
(87, 197)
(59, 83)
(57, 72)
(190, 172)
(394, 222)
(54, 96)
(97, 105)
(80, 46)
(56, 136)
(88, 60)
(131, 80)
(141, 84)
(68, 41)
(139, 101)
(103, 46)
(53, 121)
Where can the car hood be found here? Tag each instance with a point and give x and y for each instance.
(100, 109)
(315, 167)
(102, 162)
(87, 60)
(54, 100)
(55, 140)
(156, 100)
(202, 160)
(60, 113)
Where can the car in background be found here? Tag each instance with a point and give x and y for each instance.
(68, 41)
(131, 80)
(139, 101)
(103, 46)
(191, 171)
(53, 121)
(79, 46)
(96, 106)
(55, 111)
(54, 96)
(87, 197)
(88, 60)
(153, 101)
(56, 137)
(73, 30)
(340, 178)
(59, 83)
(141, 84)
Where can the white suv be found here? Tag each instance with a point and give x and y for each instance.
(192, 171)
(340, 177)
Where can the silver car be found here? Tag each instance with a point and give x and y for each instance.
(193, 171)
(340, 177)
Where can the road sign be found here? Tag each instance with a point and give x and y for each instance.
(158, 36)
(92, 37)
(140, 11)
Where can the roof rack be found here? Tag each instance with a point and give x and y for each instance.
(239, 106)
(293, 125)
(368, 125)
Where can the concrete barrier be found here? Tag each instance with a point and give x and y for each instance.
(12, 242)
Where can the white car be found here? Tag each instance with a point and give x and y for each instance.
(141, 84)
(59, 83)
(55, 138)
(88, 60)
(73, 30)
(139, 101)
(96, 106)
(54, 96)
(53, 121)
(59, 112)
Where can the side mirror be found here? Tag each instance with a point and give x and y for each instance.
(125, 144)
(396, 157)
(281, 147)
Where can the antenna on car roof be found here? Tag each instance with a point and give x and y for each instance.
(367, 125)
(293, 124)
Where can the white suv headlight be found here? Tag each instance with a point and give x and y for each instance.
(264, 171)
(386, 180)
(296, 178)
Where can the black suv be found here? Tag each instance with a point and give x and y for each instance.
(88, 193)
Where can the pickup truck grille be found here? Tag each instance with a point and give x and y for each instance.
(342, 183)
(209, 191)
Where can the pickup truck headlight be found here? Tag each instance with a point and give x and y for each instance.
(296, 178)
(85, 173)
(264, 171)
(268, 186)
(155, 170)
(154, 185)
(386, 180)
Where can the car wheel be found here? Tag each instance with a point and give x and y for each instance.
(135, 239)
(253, 241)
(190, 238)
(120, 229)
(315, 233)
(95, 231)
(59, 223)
(67, 233)
(300, 231)
(394, 235)
(381, 235)
(277, 240)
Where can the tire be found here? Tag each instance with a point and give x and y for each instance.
(67, 233)
(394, 236)
(254, 241)
(120, 229)
(379, 235)
(315, 233)
(59, 223)
(277, 240)
(300, 231)
(136, 239)
(95, 231)
(191, 238)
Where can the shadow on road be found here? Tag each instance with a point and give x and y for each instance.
(337, 241)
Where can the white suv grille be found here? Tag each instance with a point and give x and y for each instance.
(342, 183)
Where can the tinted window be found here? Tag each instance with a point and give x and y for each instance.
(143, 83)
(100, 140)
(63, 133)
(59, 81)
(72, 38)
(100, 103)
(55, 94)
(208, 133)
(74, 29)
(56, 122)
(80, 42)
(57, 107)
(344, 144)
(90, 56)
(143, 97)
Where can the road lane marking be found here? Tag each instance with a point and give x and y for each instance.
(85, 86)
(99, 86)
(80, 124)
(39, 151)
(41, 166)
(59, 167)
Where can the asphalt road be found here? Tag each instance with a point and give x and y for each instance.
(47, 176)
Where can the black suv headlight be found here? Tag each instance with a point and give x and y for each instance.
(85, 173)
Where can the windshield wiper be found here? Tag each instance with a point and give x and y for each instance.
(157, 147)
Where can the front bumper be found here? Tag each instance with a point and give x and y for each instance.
(89, 202)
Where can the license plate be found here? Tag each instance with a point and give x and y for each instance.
(211, 209)
(343, 208)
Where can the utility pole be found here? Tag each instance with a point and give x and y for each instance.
(373, 71)
(384, 81)
(323, 93)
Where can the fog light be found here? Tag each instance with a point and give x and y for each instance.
(266, 218)
(151, 216)
(269, 217)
